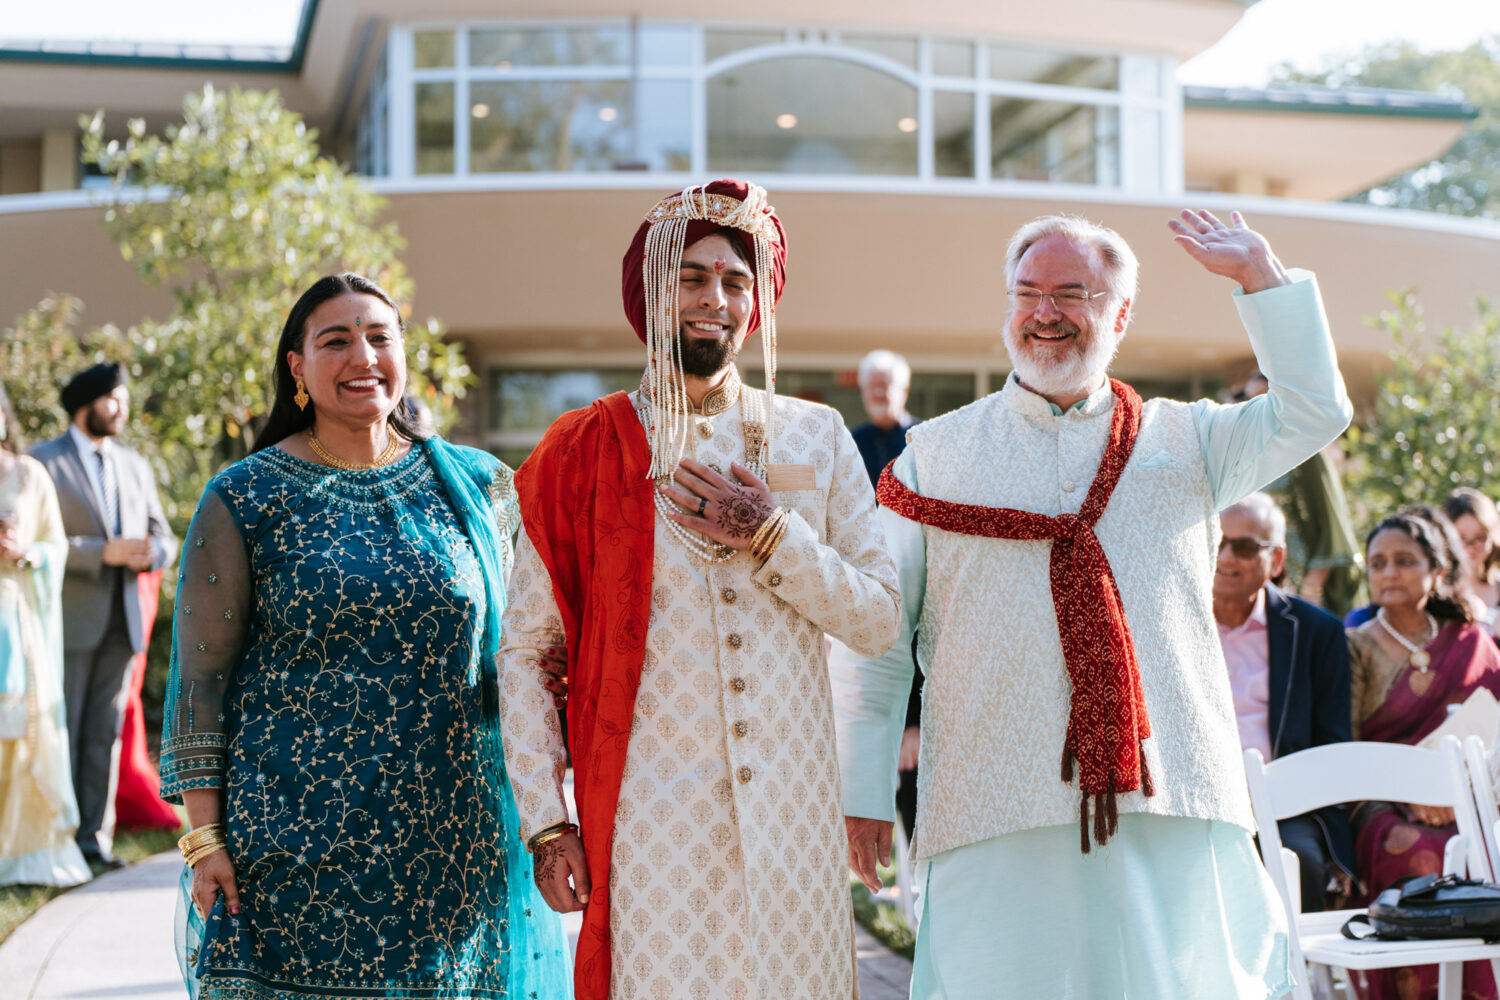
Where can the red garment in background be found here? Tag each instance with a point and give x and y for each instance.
(138, 803)
(587, 506)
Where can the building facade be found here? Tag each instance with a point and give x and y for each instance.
(519, 144)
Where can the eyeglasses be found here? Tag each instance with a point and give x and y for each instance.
(1031, 299)
(1245, 548)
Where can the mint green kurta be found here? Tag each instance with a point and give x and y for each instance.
(1172, 907)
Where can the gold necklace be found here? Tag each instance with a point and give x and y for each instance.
(386, 457)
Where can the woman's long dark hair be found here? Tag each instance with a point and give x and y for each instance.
(286, 418)
(1438, 540)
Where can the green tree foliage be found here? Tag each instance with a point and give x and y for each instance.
(1433, 427)
(1466, 180)
(45, 341)
(234, 213)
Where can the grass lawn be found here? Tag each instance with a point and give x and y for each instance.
(17, 902)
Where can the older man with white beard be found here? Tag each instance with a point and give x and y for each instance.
(1082, 806)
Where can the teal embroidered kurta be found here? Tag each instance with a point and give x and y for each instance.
(330, 675)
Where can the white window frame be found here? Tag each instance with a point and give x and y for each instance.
(1150, 157)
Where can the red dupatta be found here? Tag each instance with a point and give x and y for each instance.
(587, 506)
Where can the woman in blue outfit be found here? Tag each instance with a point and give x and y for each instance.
(331, 717)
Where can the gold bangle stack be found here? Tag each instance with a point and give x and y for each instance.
(769, 536)
(200, 843)
(551, 833)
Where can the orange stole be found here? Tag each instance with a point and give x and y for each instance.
(587, 506)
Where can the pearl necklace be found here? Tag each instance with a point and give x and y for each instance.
(752, 420)
(386, 457)
(1420, 658)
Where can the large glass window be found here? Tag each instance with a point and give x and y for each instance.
(811, 115)
(434, 128)
(523, 404)
(1053, 141)
(1060, 69)
(720, 42)
(953, 134)
(589, 97)
(528, 401)
(932, 393)
(548, 125)
(507, 48)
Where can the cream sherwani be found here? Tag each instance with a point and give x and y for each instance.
(728, 873)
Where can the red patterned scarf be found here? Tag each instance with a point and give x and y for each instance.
(1107, 721)
(587, 506)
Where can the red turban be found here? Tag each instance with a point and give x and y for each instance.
(732, 192)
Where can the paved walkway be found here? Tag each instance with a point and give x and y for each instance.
(113, 938)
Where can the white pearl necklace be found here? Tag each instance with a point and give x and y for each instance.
(1420, 658)
(706, 549)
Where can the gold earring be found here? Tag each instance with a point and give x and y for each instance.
(301, 398)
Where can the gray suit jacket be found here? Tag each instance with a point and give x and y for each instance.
(88, 584)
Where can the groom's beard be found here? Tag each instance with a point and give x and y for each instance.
(704, 357)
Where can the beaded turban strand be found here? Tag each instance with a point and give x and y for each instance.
(649, 287)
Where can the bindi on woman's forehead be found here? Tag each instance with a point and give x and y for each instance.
(719, 265)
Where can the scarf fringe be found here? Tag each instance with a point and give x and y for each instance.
(1106, 811)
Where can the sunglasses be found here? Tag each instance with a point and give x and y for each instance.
(1245, 548)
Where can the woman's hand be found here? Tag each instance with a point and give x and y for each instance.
(10, 545)
(728, 513)
(555, 861)
(211, 876)
(553, 665)
(1438, 816)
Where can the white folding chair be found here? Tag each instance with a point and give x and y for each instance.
(1484, 800)
(1349, 772)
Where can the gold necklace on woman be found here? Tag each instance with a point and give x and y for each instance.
(1420, 658)
(386, 457)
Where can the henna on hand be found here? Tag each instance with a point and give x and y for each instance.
(742, 512)
(547, 857)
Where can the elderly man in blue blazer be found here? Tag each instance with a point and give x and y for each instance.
(116, 531)
(1289, 673)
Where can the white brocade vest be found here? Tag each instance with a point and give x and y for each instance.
(996, 698)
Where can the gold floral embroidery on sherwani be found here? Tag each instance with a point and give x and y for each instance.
(728, 873)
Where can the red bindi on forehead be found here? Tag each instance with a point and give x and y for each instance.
(719, 265)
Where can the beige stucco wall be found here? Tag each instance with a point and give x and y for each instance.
(526, 274)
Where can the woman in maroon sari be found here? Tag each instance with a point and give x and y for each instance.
(1419, 655)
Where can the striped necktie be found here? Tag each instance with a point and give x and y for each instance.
(110, 490)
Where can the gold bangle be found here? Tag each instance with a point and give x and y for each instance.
(762, 538)
(769, 547)
(765, 528)
(193, 839)
(551, 833)
(203, 852)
